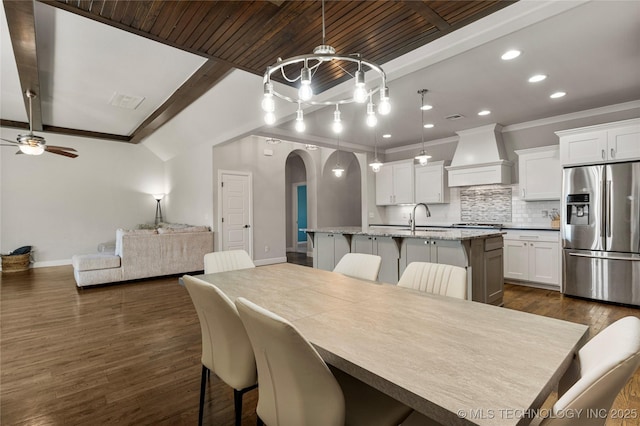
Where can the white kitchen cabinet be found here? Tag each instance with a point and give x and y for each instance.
(611, 142)
(532, 256)
(431, 184)
(394, 183)
(386, 248)
(328, 250)
(540, 174)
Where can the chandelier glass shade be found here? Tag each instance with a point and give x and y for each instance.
(309, 65)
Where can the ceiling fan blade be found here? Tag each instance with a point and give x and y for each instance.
(4, 144)
(66, 154)
(7, 140)
(59, 147)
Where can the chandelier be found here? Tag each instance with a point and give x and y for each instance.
(309, 66)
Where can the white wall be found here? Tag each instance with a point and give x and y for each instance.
(64, 206)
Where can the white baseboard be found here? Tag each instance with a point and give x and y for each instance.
(47, 263)
(262, 262)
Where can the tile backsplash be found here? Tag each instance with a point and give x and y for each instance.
(486, 204)
(479, 204)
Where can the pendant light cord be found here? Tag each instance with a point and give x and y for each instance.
(323, 33)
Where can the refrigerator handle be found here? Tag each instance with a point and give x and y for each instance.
(608, 208)
(603, 217)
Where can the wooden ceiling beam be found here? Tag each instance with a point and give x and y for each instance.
(207, 76)
(22, 30)
(428, 14)
(67, 131)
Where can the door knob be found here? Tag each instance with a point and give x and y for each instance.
(247, 226)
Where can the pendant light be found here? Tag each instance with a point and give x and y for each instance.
(375, 164)
(337, 169)
(422, 157)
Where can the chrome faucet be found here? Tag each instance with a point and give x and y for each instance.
(412, 219)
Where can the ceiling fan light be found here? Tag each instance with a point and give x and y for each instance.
(338, 170)
(31, 149)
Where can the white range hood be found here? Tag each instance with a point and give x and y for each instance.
(480, 158)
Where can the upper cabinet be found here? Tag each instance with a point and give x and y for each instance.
(540, 173)
(431, 183)
(394, 183)
(611, 142)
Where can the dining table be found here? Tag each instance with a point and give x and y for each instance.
(455, 361)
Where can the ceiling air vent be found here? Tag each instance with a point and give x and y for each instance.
(454, 117)
(121, 100)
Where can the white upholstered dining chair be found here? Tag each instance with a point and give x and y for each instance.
(359, 265)
(297, 387)
(229, 260)
(598, 373)
(226, 349)
(437, 278)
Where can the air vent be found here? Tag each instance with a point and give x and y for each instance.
(454, 117)
(121, 100)
(273, 141)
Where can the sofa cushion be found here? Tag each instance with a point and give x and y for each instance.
(90, 262)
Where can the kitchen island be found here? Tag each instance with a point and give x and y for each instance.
(477, 250)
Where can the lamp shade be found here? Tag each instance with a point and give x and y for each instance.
(158, 197)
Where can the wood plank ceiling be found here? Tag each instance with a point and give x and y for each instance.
(251, 35)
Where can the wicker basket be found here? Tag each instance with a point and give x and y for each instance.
(16, 263)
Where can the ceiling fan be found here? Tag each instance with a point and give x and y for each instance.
(31, 144)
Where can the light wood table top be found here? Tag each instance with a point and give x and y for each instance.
(456, 361)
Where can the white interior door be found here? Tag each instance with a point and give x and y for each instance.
(235, 217)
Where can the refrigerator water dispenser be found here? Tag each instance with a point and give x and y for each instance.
(577, 209)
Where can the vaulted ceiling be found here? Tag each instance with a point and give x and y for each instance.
(175, 74)
(246, 35)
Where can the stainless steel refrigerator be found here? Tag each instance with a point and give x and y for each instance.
(601, 232)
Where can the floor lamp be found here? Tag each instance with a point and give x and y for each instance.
(158, 198)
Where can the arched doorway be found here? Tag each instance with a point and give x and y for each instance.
(296, 203)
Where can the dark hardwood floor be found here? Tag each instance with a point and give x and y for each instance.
(130, 353)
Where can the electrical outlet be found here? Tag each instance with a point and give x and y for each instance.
(266, 249)
(371, 215)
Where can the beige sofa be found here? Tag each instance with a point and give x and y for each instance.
(143, 253)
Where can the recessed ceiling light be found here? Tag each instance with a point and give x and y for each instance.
(510, 54)
(536, 78)
(426, 107)
(557, 95)
(386, 135)
(428, 126)
(484, 112)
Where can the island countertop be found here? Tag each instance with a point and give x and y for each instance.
(455, 234)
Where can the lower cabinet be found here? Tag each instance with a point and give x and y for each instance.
(329, 249)
(533, 256)
(385, 247)
(434, 251)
